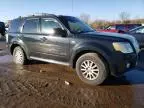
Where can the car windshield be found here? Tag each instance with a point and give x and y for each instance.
(136, 28)
(75, 25)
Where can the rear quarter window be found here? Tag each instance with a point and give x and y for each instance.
(15, 25)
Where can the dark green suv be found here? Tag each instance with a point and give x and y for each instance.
(67, 40)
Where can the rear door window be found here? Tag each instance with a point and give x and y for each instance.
(48, 24)
(31, 26)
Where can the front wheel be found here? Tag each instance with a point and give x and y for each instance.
(19, 56)
(91, 69)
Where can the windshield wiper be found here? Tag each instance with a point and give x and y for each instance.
(86, 31)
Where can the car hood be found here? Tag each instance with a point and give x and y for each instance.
(108, 34)
(117, 35)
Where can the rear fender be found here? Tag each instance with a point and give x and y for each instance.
(19, 42)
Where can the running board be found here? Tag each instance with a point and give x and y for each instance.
(49, 61)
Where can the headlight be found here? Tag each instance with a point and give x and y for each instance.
(123, 47)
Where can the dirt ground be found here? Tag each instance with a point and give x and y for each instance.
(42, 85)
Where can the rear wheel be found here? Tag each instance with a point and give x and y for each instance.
(91, 69)
(19, 56)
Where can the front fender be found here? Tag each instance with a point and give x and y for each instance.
(102, 50)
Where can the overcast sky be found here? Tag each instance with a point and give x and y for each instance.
(97, 9)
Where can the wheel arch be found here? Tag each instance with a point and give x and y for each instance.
(104, 56)
(14, 45)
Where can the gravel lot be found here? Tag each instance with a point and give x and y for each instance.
(42, 85)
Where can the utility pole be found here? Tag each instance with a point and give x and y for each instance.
(72, 6)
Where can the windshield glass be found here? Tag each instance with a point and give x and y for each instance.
(75, 25)
(132, 30)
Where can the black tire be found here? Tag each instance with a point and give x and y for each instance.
(92, 57)
(18, 52)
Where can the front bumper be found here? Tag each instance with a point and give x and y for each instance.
(122, 63)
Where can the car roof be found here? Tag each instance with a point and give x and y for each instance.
(40, 16)
(37, 16)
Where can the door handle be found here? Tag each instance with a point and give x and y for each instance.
(43, 39)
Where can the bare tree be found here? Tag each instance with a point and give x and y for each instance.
(85, 17)
(100, 24)
(124, 17)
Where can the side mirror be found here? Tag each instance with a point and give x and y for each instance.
(60, 32)
(57, 31)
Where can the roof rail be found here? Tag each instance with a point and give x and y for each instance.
(36, 15)
(41, 14)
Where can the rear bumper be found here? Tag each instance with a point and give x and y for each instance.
(122, 63)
